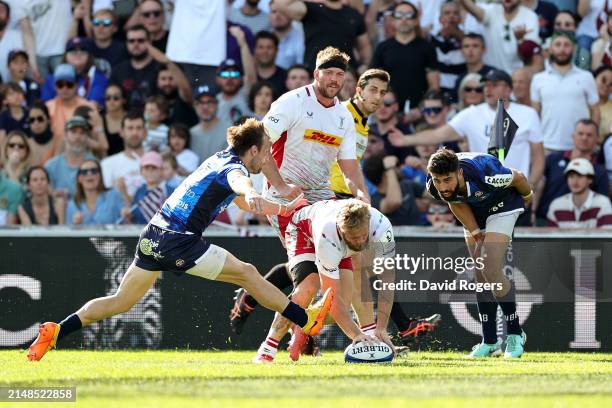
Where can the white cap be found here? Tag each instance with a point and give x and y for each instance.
(580, 166)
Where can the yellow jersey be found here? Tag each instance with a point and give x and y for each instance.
(336, 178)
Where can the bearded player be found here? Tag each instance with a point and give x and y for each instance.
(487, 198)
(172, 241)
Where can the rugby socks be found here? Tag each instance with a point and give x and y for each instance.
(508, 306)
(278, 276)
(296, 314)
(69, 325)
(402, 322)
(487, 308)
(369, 329)
(270, 345)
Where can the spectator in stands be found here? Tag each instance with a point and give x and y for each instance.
(330, 23)
(471, 91)
(600, 50)
(563, 94)
(439, 216)
(169, 170)
(62, 107)
(122, 170)
(546, 12)
(409, 59)
(11, 196)
(585, 139)
(173, 85)
(137, 75)
(592, 13)
(603, 79)
(105, 46)
(387, 119)
(151, 194)
(349, 86)
(261, 96)
(606, 157)
(50, 22)
(19, 66)
(581, 207)
(415, 167)
(16, 156)
(251, 16)
(93, 204)
(506, 25)
(13, 116)
(394, 198)
(96, 139)
(114, 111)
(39, 207)
(210, 135)
(91, 82)
(472, 50)
(447, 42)
(204, 20)
(266, 48)
(41, 137)
(62, 169)
(290, 36)
(475, 123)
(567, 21)
(155, 113)
(151, 14)
(178, 142)
(521, 85)
(297, 76)
(16, 36)
(379, 20)
(232, 100)
(530, 52)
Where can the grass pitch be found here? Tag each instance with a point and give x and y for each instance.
(196, 378)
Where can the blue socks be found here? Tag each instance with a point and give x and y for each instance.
(294, 313)
(69, 325)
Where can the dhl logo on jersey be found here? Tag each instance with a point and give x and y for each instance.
(322, 138)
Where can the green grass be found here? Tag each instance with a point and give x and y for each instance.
(189, 378)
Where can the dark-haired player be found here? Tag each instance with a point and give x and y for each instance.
(487, 198)
(172, 241)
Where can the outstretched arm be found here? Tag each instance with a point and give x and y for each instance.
(433, 136)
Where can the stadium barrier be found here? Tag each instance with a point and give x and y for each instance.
(563, 280)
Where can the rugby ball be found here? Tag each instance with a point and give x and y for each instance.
(377, 352)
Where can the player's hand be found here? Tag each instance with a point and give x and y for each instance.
(255, 202)
(289, 191)
(363, 196)
(395, 137)
(390, 161)
(298, 201)
(365, 339)
(382, 335)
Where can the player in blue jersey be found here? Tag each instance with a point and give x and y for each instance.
(173, 241)
(487, 198)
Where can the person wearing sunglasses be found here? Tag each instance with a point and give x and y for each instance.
(150, 13)
(233, 98)
(16, 156)
(105, 46)
(137, 75)
(91, 81)
(114, 111)
(40, 135)
(40, 207)
(471, 91)
(93, 204)
(62, 106)
(439, 216)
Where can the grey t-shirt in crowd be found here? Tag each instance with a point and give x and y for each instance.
(205, 143)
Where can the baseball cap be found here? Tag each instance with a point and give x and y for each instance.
(78, 43)
(201, 90)
(64, 72)
(15, 53)
(77, 121)
(151, 159)
(528, 49)
(229, 65)
(497, 75)
(580, 166)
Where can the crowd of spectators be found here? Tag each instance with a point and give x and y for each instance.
(107, 105)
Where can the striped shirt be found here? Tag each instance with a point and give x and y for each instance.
(596, 212)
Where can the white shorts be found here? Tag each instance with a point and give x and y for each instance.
(210, 264)
(502, 223)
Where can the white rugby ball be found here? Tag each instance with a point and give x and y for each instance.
(377, 352)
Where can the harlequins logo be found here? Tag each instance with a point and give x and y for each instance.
(180, 262)
(341, 123)
(309, 114)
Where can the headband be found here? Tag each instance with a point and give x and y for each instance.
(333, 63)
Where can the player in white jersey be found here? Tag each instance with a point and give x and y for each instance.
(327, 234)
(310, 129)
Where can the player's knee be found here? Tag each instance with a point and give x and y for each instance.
(248, 272)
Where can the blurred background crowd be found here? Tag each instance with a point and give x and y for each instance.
(108, 104)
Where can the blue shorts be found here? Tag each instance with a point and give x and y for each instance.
(162, 250)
